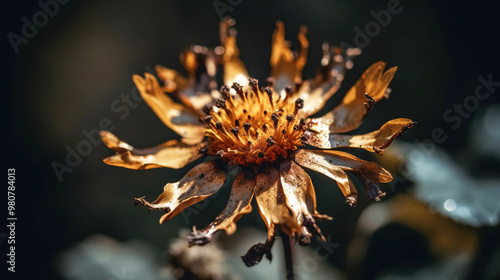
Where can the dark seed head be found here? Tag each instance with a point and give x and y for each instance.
(289, 118)
(238, 88)
(203, 150)
(261, 155)
(288, 89)
(220, 103)
(235, 130)
(237, 122)
(208, 119)
(254, 83)
(218, 125)
(299, 103)
(207, 109)
(247, 126)
(225, 91)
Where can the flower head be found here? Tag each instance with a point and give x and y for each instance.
(265, 130)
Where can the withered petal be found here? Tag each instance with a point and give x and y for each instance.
(368, 90)
(300, 198)
(369, 173)
(317, 91)
(239, 204)
(174, 115)
(357, 166)
(234, 69)
(286, 68)
(374, 141)
(317, 162)
(171, 154)
(272, 205)
(183, 89)
(199, 183)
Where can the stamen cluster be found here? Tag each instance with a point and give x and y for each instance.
(253, 126)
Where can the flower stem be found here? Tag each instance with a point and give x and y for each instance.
(287, 246)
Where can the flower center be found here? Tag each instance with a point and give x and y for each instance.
(254, 126)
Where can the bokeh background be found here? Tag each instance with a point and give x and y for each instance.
(65, 79)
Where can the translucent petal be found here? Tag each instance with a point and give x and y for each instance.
(349, 114)
(285, 67)
(238, 205)
(272, 205)
(171, 154)
(319, 163)
(199, 183)
(174, 115)
(374, 141)
(183, 89)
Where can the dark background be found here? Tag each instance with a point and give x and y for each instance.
(66, 77)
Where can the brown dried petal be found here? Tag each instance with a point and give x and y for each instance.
(369, 173)
(272, 205)
(238, 205)
(300, 196)
(199, 183)
(183, 89)
(374, 141)
(171, 154)
(359, 167)
(349, 114)
(319, 163)
(177, 117)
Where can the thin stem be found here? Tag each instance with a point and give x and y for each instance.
(287, 245)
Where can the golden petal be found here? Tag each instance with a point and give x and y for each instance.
(238, 205)
(171, 154)
(183, 89)
(368, 90)
(299, 190)
(317, 91)
(285, 67)
(177, 117)
(234, 69)
(272, 205)
(199, 183)
(359, 167)
(317, 162)
(374, 141)
(301, 199)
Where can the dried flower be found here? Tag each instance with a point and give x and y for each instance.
(265, 131)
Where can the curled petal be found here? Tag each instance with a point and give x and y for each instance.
(234, 69)
(238, 205)
(199, 183)
(272, 205)
(286, 67)
(317, 162)
(317, 91)
(171, 154)
(368, 90)
(174, 115)
(374, 141)
(300, 199)
(183, 89)
(369, 173)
